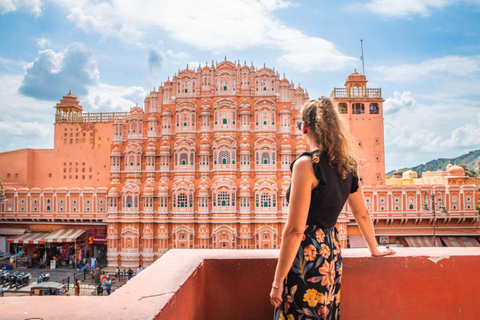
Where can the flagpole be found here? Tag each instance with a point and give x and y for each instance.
(363, 61)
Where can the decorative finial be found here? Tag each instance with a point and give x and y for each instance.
(225, 58)
(187, 66)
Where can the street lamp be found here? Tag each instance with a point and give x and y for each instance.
(442, 210)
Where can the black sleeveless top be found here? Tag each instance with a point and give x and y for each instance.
(331, 193)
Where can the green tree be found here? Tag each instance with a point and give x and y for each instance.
(469, 172)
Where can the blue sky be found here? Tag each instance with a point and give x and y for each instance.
(425, 55)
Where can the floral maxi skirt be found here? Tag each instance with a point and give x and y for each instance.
(312, 286)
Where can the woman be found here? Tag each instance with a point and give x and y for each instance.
(308, 273)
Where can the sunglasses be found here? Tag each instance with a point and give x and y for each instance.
(299, 125)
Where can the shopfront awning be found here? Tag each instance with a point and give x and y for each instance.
(461, 241)
(357, 242)
(64, 235)
(29, 238)
(11, 231)
(422, 241)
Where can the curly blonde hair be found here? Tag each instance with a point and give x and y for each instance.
(322, 118)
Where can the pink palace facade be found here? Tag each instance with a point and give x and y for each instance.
(205, 164)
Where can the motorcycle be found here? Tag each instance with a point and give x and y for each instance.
(4, 276)
(23, 279)
(44, 277)
(13, 278)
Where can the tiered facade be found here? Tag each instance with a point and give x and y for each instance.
(204, 165)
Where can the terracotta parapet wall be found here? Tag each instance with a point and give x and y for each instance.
(417, 283)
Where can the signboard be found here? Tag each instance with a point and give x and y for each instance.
(100, 240)
(53, 264)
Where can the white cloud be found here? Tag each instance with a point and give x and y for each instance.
(30, 6)
(24, 121)
(448, 65)
(405, 8)
(210, 25)
(53, 74)
(104, 98)
(43, 42)
(429, 129)
(399, 102)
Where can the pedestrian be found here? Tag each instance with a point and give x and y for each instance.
(108, 285)
(130, 273)
(102, 278)
(93, 262)
(97, 276)
(104, 283)
(124, 275)
(117, 273)
(322, 181)
(77, 287)
(140, 269)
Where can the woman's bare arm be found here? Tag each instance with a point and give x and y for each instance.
(356, 203)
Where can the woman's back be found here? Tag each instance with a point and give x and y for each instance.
(331, 193)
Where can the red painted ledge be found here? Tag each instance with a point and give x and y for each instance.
(416, 283)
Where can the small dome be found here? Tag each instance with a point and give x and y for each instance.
(113, 192)
(165, 146)
(116, 151)
(150, 149)
(409, 174)
(449, 166)
(162, 187)
(456, 171)
(356, 78)
(301, 146)
(148, 189)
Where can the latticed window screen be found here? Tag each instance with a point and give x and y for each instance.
(265, 157)
(224, 157)
(223, 198)
(181, 200)
(266, 200)
(183, 159)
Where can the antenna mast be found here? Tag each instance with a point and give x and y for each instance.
(362, 58)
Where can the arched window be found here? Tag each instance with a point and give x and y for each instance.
(223, 198)
(182, 200)
(129, 202)
(265, 200)
(224, 157)
(183, 159)
(374, 109)
(265, 157)
(358, 108)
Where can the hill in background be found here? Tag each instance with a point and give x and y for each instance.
(470, 160)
